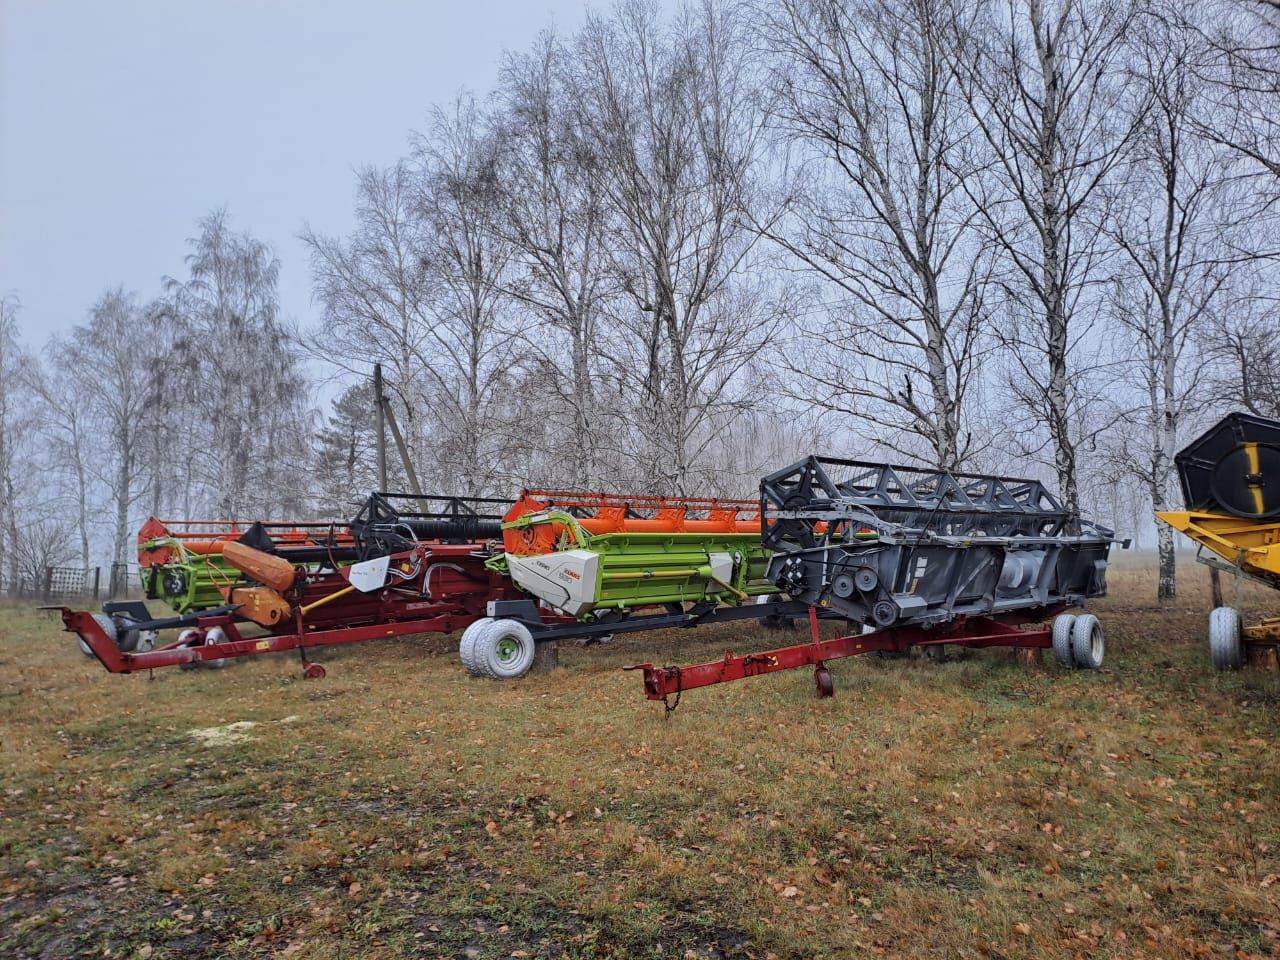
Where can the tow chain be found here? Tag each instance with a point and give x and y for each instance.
(668, 708)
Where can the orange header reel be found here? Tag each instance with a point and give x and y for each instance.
(604, 513)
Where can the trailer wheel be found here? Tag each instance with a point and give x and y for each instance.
(1226, 648)
(774, 621)
(189, 638)
(138, 641)
(467, 647)
(1088, 645)
(108, 627)
(505, 649)
(215, 635)
(823, 683)
(1062, 625)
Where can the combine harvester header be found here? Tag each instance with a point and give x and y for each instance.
(621, 563)
(404, 565)
(919, 556)
(587, 553)
(1231, 485)
(183, 561)
(594, 564)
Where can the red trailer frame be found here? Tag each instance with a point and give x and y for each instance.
(237, 645)
(456, 591)
(662, 683)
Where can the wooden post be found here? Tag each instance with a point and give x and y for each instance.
(1215, 587)
(48, 583)
(97, 581)
(547, 657)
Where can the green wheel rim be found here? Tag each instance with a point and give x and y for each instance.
(508, 649)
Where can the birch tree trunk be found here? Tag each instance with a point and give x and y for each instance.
(1172, 221)
(466, 258)
(880, 136)
(1045, 87)
(554, 219)
(671, 120)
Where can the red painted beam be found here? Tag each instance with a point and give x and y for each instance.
(662, 682)
(117, 661)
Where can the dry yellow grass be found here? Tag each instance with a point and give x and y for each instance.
(399, 808)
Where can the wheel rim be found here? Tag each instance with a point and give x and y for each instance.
(1095, 644)
(508, 649)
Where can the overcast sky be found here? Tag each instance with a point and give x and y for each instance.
(122, 122)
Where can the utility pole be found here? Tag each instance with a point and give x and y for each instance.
(386, 417)
(378, 400)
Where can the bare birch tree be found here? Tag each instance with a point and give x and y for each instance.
(14, 362)
(67, 434)
(1046, 88)
(1244, 345)
(110, 359)
(42, 543)
(869, 101)
(252, 395)
(554, 217)
(174, 422)
(1241, 72)
(675, 128)
(1171, 219)
(466, 258)
(373, 289)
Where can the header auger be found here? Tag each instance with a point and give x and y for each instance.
(588, 554)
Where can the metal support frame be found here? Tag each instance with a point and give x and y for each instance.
(980, 632)
(544, 630)
(821, 490)
(237, 645)
(694, 616)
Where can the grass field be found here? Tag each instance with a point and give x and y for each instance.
(399, 808)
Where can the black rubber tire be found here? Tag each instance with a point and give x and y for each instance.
(823, 684)
(505, 649)
(1088, 643)
(1062, 625)
(466, 647)
(1226, 644)
(108, 627)
(213, 636)
(773, 621)
(191, 635)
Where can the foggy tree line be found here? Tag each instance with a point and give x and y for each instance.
(671, 252)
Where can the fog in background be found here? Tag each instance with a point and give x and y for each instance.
(122, 123)
(660, 248)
